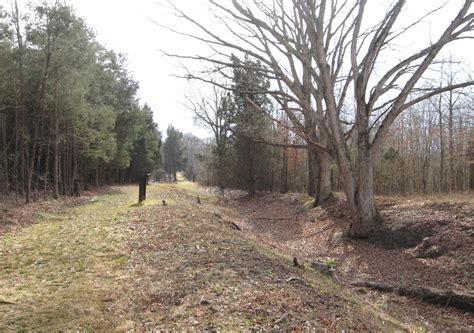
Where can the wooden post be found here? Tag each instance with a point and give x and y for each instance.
(142, 188)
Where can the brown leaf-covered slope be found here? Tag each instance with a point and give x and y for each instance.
(389, 257)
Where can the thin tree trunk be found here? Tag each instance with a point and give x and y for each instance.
(46, 168)
(284, 171)
(56, 156)
(5, 159)
(441, 146)
(97, 177)
(251, 177)
(75, 166)
(471, 159)
(70, 168)
(15, 157)
(38, 174)
(19, 103)
(220, 168)
(451, 143)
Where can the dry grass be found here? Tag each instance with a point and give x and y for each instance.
(113, 265)
(62, 272)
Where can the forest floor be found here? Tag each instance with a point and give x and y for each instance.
(102, 262)
(427, 241)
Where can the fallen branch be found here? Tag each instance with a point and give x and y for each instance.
(272, 219)
(231, 224)
(235, 226)
(460, 300)
(295, 279)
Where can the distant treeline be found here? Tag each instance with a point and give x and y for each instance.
(69, 113)
(429, 149)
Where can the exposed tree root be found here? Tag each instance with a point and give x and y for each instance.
(460, 300)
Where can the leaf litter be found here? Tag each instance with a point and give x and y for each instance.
(113, 265)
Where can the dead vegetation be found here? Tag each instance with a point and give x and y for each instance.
(192, 267)
(426, 244)
(114, 265)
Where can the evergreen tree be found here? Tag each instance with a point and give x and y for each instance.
(173, 152)
(249, 84)
(68, 107)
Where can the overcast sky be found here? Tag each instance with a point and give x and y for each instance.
(125, 26)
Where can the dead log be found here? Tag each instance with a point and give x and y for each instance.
(456, 299)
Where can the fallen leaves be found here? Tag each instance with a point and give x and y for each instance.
(318, 233)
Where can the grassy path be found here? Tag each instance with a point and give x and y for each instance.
(61, 272)
(112, 265)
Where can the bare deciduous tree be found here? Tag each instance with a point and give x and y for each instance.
(324, 59)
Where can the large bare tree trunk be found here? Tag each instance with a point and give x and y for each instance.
(364, 211)
(313, 170)
(324, 185)
(319, 165)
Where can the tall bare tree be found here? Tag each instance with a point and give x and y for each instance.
(214, 113)
(327, 56)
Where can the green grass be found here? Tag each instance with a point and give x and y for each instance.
(61, 273)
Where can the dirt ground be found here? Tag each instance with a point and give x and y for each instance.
(395, 256)
(105, 263)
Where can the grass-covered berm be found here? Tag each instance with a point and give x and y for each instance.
(111, 264)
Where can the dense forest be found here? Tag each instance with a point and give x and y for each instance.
(70, 116)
